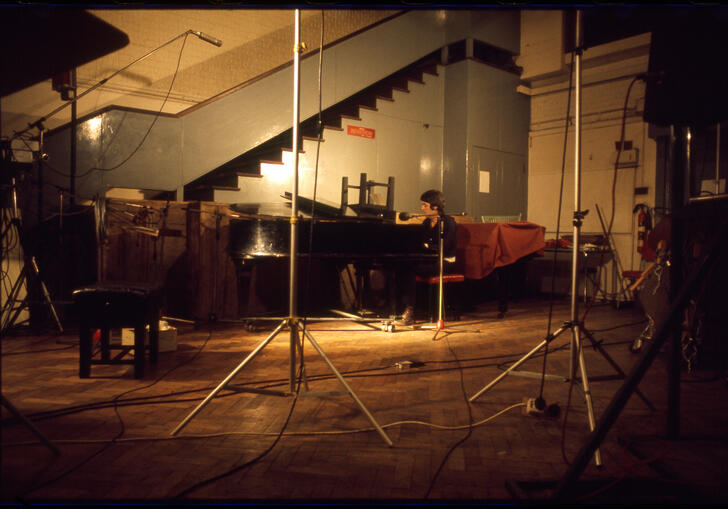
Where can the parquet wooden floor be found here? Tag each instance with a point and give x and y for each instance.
(114, 432)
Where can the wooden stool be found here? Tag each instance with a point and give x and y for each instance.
(114, 305)
(433, 283)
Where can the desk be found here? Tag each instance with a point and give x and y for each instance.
(589, 263)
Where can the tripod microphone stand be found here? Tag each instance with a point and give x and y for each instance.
(76, 98)
(10, 312)
(440, 290)
(30, 267)
(440, 324)
(573, 325)
(292, 322)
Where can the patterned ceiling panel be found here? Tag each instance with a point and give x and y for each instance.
(254, 42)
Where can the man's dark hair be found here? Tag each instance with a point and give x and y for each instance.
(436, 200)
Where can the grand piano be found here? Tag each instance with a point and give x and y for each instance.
(260, 247)
(347, 247)
(264, 231)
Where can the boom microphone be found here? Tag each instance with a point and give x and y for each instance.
(208, 38)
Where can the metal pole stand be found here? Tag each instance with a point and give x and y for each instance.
(295, 327)
(577, 353)
(10, 311)
(297, 330)
(440, 324)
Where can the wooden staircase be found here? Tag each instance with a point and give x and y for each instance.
(247, 165)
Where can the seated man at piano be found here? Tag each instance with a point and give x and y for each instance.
(433, 212)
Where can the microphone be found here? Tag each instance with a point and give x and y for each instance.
(208, 38)
(406, 216)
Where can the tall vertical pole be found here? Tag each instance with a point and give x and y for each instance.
(716, 188)
(577, 192)
(680, 179)
(40, 169)
(73, 128)
(293, 268)
(577, 353)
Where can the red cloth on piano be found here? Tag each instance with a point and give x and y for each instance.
(483, 247)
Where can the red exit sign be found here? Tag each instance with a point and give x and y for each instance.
(364, 132)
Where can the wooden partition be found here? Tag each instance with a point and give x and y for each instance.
(182, 246)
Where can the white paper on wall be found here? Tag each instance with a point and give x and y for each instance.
(484, 186)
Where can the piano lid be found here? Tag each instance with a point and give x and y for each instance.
(375, 212)
(282, 211)
(270, 210)
(321, 210)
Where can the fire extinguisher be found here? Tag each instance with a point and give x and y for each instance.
(644, 224)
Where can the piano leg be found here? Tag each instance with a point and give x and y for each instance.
(373, 288)
(402, 286)
(244, 276)
(503, 287)
(510, 282)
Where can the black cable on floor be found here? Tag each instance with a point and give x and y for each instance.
(470, 423)
(266, 384)
(260, 456)
(121, 422)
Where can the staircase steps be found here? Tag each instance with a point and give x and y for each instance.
(248, 164)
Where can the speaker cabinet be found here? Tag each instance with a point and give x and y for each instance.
(687, 77)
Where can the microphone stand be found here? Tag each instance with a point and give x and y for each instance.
(30, 262)
(440, 324)
(75, 98)
(9, 312)
(576, 328)
(293, 322)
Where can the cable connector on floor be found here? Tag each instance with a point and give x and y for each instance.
(530, 407)
(537, 407)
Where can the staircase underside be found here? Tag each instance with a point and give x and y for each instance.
(225, 177)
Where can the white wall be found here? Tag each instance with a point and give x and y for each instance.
(607, 72)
